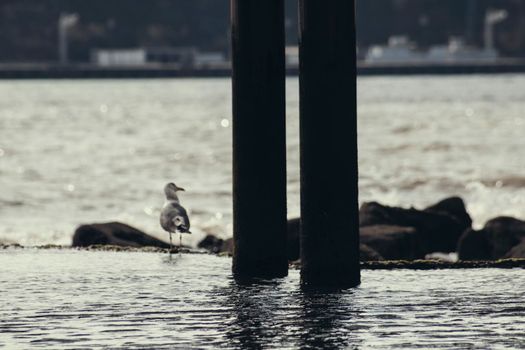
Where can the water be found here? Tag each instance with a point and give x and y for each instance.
(75, 299)
(74, 152)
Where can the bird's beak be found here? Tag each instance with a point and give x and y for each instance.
(180, 189)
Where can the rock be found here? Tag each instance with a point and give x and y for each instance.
(504, 233)
(439, 226)
(216, 245)
(114, 233)
(474, 245)
(211, 243)
(387, 232)
(499, 238)
(10, 246)
(453, 206)
(517, 252)
(392, 242)
(293, 244)
(220, 246)
(368, 254)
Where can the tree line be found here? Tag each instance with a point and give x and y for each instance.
(28, 28)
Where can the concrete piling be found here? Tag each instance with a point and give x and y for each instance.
(259, 145)
(328, 130)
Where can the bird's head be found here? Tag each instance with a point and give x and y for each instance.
(171, 190)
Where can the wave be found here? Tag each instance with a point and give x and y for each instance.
(512, 181)
(11, 203)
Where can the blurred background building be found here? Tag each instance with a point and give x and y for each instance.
(181, 31)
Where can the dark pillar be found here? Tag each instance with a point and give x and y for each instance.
(259, 145)
(329, 195)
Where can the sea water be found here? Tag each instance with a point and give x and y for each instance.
(83, 151)
(115, 300)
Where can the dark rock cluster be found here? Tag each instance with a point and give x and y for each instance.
(501, 237)
(114, 233)
(399, 233)
(216, 245)
(408, 234)
(386, 233)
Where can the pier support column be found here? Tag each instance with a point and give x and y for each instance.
(259, 145)
(328, 123)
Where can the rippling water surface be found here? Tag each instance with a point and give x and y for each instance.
(75, 152)
(72, 299)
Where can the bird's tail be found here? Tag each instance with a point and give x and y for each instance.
(184, 229)
(181, 225)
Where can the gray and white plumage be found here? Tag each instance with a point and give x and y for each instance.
(173, 216)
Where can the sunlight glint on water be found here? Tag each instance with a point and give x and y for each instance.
(77, 152)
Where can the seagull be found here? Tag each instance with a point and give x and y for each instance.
(173, 216)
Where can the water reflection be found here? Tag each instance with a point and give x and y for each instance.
(328, 319)
(253, 324)
(278, 314)
(173, 259)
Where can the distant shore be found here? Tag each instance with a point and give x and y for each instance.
(88, 71)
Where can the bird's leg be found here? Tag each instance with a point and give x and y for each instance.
(180, 242)
(171, 245)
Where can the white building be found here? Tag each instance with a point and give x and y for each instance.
(119, 57)
(183, 56)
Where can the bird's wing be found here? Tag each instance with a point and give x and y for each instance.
(173, 218)
(181, 220)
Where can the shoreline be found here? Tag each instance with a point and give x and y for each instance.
(88, 71)
(368, 265)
